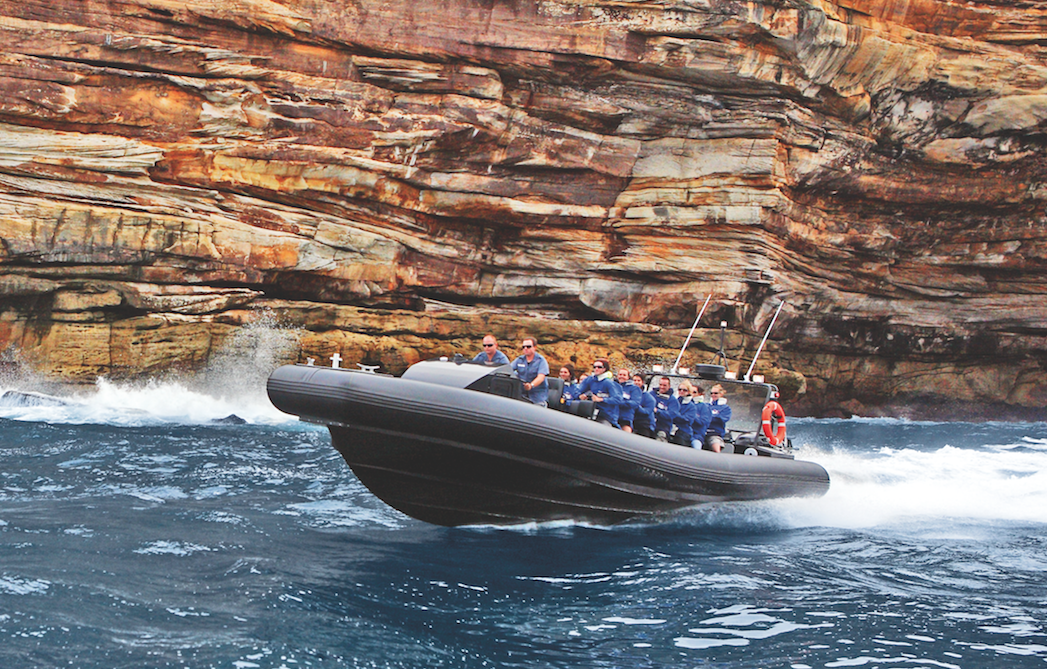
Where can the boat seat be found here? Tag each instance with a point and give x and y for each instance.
(555, 392)
(583, 408)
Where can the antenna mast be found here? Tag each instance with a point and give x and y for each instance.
(766, 334)
(688, 340)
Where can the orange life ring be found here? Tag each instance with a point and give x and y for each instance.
(774, 409)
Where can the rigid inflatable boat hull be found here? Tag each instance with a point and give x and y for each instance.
(452, 456)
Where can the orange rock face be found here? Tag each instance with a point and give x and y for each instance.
(394, 179)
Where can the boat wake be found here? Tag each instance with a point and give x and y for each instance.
(971, 475)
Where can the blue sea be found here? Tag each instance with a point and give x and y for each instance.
(135, 532)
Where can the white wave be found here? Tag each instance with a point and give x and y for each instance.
(1029, 442)
(147, 403)
(344, 513)
(232, 385)
(22, 586)
(179, 548)
(890, 486)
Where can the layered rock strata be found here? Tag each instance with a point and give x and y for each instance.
(393, 179)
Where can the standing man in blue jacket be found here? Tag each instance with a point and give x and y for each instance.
(665, 409)
(604, 390)
(531, 368)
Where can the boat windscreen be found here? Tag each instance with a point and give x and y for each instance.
(746, 401)
(446, 373)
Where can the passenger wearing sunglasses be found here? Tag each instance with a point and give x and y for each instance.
(721, 413)
(601, 387)
(532, 368)
(685, 415)
(491, 356)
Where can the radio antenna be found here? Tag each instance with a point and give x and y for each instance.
(689, 334)
(765, 335)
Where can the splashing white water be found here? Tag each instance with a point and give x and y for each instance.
(994, 482)
(233, 385)
(148, 403)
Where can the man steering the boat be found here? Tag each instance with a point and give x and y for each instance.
(531, 368)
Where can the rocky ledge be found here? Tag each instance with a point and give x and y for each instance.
(391, 180)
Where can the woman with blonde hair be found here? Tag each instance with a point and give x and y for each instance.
(684, 418)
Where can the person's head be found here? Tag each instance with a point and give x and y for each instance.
(599, 366)
(684, 389)
(638, 380)
(664, 386)
(528, 346)
(567, 372)
(696, 390)
(490, 345)
(716, 393)
(582, 377)
(623, 375)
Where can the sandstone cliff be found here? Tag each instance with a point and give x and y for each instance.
(393, 179)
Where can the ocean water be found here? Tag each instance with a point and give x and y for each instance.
(135, 532)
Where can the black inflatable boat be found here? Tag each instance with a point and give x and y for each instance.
(455, 444)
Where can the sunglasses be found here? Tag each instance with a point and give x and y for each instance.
(527, 346)
(488, 345)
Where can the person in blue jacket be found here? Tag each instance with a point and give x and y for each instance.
(630, 400)
(665, 408)
(531, 368)
(721, 413)
(683, 434)
(570, 386)
(491, 356)
(643, 417)
(702, 416)
(604, 390)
